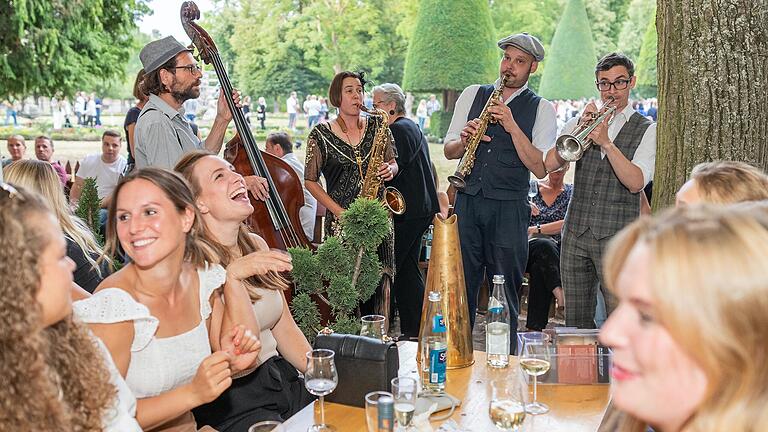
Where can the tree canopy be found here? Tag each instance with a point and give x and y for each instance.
(56, 46)
(571, 60)
(452, 46)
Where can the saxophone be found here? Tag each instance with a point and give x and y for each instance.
(468, 160)
(393, 198)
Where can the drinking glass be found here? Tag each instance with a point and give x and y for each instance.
(321, 379)
(534, 360)
(373, 326)
(404, 390)
(507, 405)
(267, 426)
(533, 189)
(372, 409)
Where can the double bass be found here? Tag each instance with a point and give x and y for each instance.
(276, 219)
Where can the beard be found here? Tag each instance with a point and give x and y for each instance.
(183, 94)
(520, 80)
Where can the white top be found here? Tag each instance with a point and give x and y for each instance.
(544, 131)
(106, 175)
(121, 417)
(157, 364)
(291, 105)
(645, 155)
(308, 211)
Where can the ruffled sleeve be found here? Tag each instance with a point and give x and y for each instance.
(211, 278)
(113, 305)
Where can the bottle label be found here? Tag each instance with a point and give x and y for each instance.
(438, 324)
(437, 362)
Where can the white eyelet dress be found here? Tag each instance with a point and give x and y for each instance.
(157, 364)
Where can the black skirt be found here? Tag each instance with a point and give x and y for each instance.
(274, 391)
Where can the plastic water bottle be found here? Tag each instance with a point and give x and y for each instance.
(434, 356)
(428, 242)
(497, 326)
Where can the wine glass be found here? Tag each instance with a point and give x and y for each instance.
(321, 379)
(535, 361)
(373, 326)
(507, 405)
(404, 390)
(533, 189)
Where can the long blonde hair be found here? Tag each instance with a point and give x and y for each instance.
(245, 241)
(709, 282)
(53, 378)
(40, 177)
(724, 182)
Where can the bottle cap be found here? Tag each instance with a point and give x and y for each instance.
(434, 296)
(498, 279)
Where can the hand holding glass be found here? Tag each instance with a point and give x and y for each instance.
(321, 379)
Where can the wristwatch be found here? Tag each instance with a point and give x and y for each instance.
(538, 227)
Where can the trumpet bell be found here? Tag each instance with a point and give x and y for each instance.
(394, 200)
(570, 148)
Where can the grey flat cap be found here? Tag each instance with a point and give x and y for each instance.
(525, 42)
(156, 53)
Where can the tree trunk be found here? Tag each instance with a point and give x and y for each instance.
(713, 87)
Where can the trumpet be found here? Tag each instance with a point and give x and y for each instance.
(571, 147)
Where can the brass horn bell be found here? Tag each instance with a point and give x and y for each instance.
(446, 276)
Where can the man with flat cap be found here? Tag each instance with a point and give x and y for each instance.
(163, 134)
(493, 209)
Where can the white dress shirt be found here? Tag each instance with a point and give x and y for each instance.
(544, 129)
(645, 155)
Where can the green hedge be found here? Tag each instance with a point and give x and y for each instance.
(452, 47)
(571, 59)
(439, 122)
(646, 64)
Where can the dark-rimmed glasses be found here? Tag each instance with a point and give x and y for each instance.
(192, 68)
(619, 84)
(11, 191)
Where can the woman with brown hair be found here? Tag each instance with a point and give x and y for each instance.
(129, 125)
(273, 389)
(175, 322)
(340, 150)
(54, 374)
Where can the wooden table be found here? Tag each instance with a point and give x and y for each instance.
(573, 408)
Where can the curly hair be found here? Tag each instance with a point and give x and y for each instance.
(53, 378)
(245, 242)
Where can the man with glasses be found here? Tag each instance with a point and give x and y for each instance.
(609, 179)
(163, 134)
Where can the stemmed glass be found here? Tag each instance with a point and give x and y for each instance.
(321, 379)
(507, 405)
(373, 326)
(534, 361)
(533, 189)
(404, 390)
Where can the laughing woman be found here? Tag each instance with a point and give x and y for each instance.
(273, 390)
(163, 314)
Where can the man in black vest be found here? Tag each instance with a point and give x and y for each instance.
(606, 193)
(493, 209)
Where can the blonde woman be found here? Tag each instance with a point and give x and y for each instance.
(54, 376)
(82, 248)
(723, 182)
(273, 390)
(688, 336)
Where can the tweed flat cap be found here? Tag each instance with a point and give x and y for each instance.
(156, 53)
(525, 42)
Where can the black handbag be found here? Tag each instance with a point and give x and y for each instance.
(363, 365)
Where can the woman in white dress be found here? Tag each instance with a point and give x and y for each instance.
(54, 375)
(176, 324)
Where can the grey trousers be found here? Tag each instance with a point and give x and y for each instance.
(581, 271)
